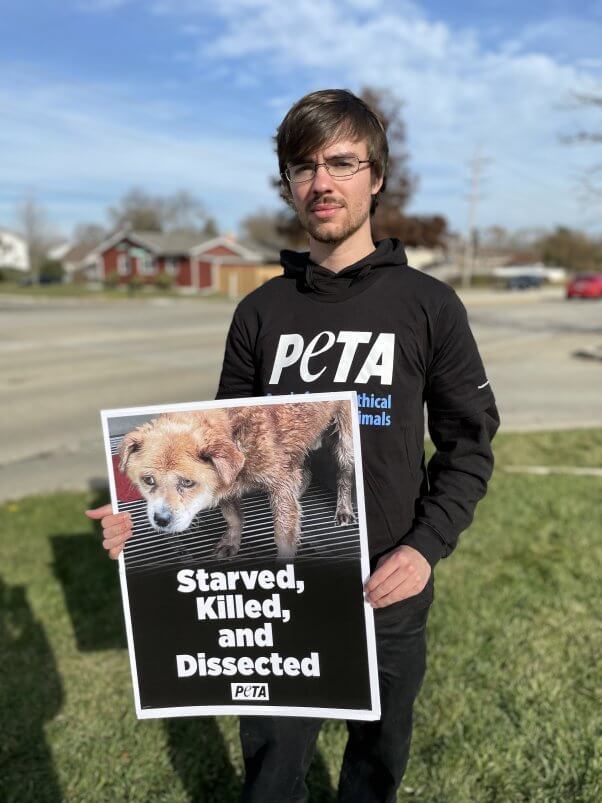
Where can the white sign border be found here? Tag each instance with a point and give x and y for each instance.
(370, 714)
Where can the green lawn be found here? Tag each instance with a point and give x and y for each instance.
(75, 290)
(510, 709)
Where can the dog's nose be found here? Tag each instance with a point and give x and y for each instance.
(162, 519)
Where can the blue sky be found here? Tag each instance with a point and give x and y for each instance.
(97, 96)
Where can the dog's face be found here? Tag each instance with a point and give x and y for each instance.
(181, 463)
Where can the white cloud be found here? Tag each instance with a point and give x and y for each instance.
(82, 146)
(458, 89)
(512, 98)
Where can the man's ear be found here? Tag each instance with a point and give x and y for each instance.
(132, 442)
(227, 461)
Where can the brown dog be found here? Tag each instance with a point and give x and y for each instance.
(186, 462)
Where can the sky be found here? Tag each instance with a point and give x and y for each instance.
(98, 96)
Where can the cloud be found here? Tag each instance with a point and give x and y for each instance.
(81, 146)
(458, 91)
(460, 86)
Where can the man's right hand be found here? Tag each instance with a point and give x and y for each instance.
(116, 528)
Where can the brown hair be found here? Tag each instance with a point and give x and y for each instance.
(326, 116)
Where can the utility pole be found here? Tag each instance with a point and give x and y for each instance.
(476, 165)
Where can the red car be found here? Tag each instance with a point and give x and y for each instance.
(585, 285)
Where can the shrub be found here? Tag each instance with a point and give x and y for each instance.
(164, 281)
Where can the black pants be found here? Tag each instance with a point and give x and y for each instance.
(278, 750)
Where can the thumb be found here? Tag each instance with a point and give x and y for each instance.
(99, 512)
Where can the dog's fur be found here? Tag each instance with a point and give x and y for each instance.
(186, 462)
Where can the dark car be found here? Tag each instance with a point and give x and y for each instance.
(523, 282)
(585, 285)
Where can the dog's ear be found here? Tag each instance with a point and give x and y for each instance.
(227, 460)
(131, 443)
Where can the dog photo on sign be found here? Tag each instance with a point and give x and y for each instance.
(274, 472)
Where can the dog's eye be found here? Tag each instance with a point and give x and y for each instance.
(149, 480)
(184, 483)
(205, 456)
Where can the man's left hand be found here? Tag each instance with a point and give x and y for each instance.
(402, 573)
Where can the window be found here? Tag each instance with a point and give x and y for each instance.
(123, 264)
(146, 265)
(171, 266)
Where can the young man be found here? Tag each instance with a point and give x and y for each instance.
(351, 314)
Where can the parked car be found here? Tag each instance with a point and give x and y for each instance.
(523, 282)
(585, 285)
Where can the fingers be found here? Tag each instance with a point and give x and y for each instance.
(99, 512)
(402, 574)
(408, 588)
(116, 528)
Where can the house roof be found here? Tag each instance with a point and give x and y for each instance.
(168, 243)
(78, 252)
(179, 243)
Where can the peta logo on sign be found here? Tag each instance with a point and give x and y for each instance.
(378, 362)
(250, 691)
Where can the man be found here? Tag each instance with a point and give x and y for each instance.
(351, 314)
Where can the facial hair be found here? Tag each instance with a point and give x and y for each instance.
(318, 229)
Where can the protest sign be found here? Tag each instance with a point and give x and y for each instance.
(242, 583)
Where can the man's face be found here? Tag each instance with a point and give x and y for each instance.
(332, 209)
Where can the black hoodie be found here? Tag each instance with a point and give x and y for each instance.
(401, 339)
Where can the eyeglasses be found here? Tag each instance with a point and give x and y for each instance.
(337, 167)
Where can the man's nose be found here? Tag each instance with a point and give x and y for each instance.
(322, 181)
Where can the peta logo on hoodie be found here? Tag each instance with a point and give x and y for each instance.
(335, 354)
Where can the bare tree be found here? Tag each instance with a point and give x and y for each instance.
(263, 228)
(33, 224)
(181, 211)
(592, 179)
(89, 234)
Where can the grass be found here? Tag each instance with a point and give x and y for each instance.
(510, 709)
(75, 290)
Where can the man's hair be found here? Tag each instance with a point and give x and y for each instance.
(324, 117)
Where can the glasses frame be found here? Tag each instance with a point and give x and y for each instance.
(285, 174)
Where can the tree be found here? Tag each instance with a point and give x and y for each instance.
(592, 179)
(570, 249)
(401, 183)
(181, 211)
(89, 234)
(34, 226)
(263, 228)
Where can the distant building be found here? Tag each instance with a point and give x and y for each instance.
(555, 275)
(220, 264)
(13, 250)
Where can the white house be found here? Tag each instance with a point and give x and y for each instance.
(13, 250)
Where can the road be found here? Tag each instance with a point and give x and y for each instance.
(62, 361)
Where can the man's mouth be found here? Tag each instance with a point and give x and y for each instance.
(325, 211)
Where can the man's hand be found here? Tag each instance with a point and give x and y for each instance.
(402, 573)
(116, 528)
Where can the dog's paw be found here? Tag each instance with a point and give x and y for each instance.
(345, 517)
(226, 549)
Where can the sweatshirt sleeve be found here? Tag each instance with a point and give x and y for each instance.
(238, 374)
(462, 421)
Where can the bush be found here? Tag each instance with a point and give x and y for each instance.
(51, 272)
(10, 274)
(164, 281)
(111, 280)
(134, 283)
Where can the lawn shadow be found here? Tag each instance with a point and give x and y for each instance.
(90, 582)
(318, 781)
(199, 755)
(31, 694)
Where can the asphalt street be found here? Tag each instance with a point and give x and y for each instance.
(62, 361)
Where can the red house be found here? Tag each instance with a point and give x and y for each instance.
(191, 261)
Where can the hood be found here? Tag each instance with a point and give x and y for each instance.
(324, 284)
